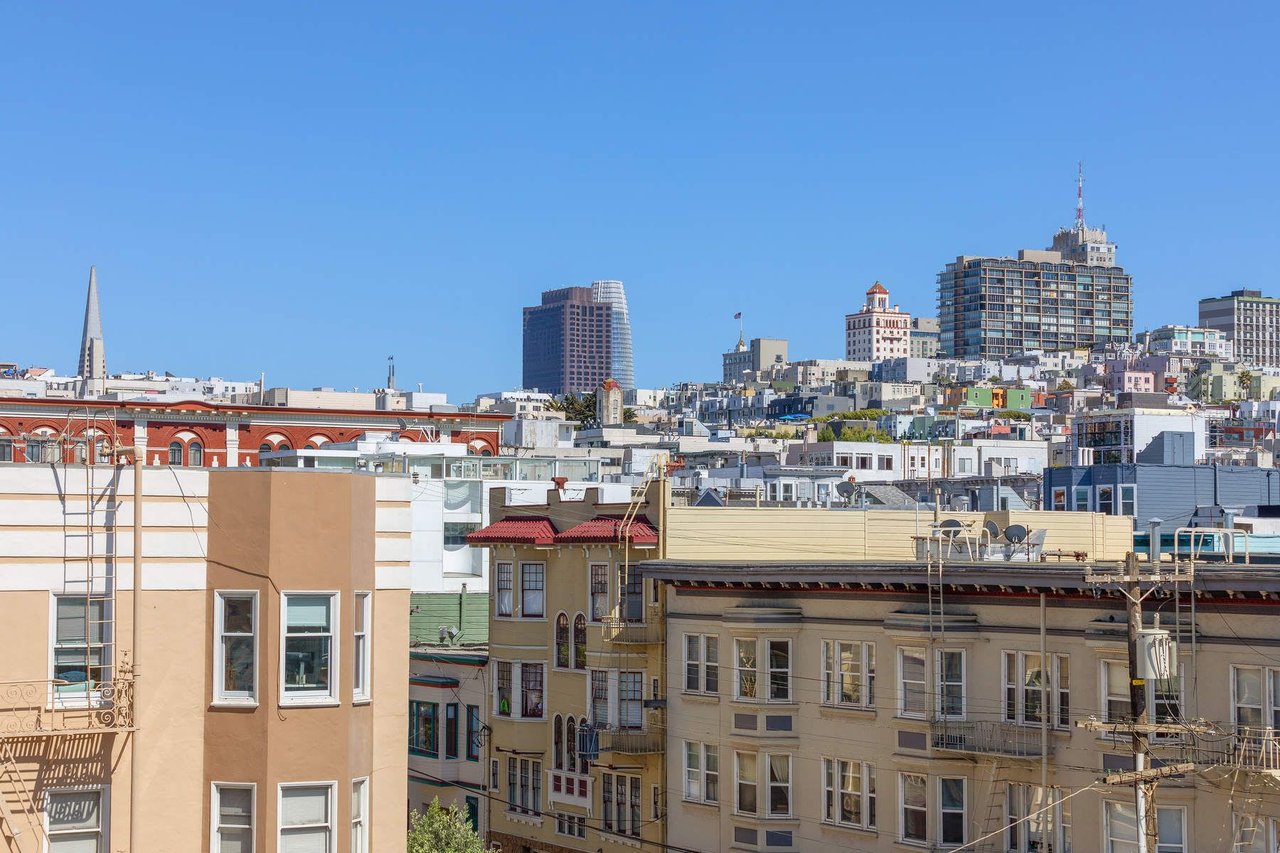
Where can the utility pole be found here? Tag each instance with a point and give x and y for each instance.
(1131, 585)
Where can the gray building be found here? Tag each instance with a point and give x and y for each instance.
(1252, 324)
(761, 353)
(1072, 295)
(924, 337)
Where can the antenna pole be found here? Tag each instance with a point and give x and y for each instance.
(1080, 196)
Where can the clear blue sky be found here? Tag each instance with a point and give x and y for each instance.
(307, 188)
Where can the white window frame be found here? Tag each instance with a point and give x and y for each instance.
(215, 810)
(963, 811)
(737, 782)
(220, 695)
(1126, 493)
(923, 655)
(700, 773)
(739, 671)
(501, 610)
(770, 784)
(331, 787)
(1152, 711)
(1057, 691)
(770, 671)
(90, 696)
(902, 808)
(362, 649)
(592, 616)
(833, 792)
(1108, 839)
(543, 589)
(940, 702)
(833, 674)
(1268, 706)
(1020, 801)
(703, 665)
(335, 621)
(104, 812)
(360, 825)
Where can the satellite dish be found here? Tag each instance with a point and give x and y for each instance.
(1015, 533)
(846, 490)
(993, 529)
(951, 528)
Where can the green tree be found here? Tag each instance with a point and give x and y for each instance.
(826, 434)
(860, 434)
(1066, 385)
(628, 415)
(442, 830)
(1013, 415)
(1245, 380)
(575, 408)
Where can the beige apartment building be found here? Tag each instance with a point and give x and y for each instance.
(844, 680)
(202, 659)
(576, 695)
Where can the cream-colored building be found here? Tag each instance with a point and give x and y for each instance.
(202, 659)
(576, 692)
(833, 686)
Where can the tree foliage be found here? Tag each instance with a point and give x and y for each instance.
(628, 415)
(1013, 415)
(1066, 385)
(441, 830)
(575, 408)
(826, 434)
(861, 434)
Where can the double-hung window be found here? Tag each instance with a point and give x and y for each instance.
(529, 798)
(599, 591)
(506, 584)
(1255, 694)
(630, 700)
(1164, 697)
(79, 645)
(532, 589)
(451, 730)
(951, 808)
(563, 652)
(1036, 822)
(1120, 828)
(779, 784)
(744, 668)
(620, 796)
(701, 772)
(779, 658)
(951, 682)
(849, 793)
(531, 683)
(473, 733)
(1024, 681)
(746, 783)
(308, 670)
(361, 658)
(599, 698)
(306, 818)
(502, 688)
(75, 821)
(913, 795)
(701, 663)
(424, 728)
(580, 642)
(235, 647)
(360, 816)
(848, 673)
(913, 693)
(232, 818)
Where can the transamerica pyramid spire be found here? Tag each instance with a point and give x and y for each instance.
(93, 358)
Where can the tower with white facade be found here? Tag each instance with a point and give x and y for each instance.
(877, 331)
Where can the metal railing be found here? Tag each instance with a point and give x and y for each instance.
(1248, 748)
(615, 630)
(633, 741)
(53, 706)
(986, 738)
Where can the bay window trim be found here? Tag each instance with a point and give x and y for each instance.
(317, 699)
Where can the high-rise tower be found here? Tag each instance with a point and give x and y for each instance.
(622, 367)
(93, 357)
(577, 338)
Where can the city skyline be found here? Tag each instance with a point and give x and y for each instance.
(745, 179)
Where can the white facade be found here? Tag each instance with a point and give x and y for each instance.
(877, 331)
(1189, 340)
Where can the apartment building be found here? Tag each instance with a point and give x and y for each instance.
(877, 331)
(576, 689)
(204, 660)
(826, 691)
(1251, 322)
(569, 342)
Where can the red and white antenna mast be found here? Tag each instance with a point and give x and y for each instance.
(1080, 196)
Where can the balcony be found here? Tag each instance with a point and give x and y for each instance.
(50, 707)
(986, 738)
(625, 633)
(1248, 749)
(633, 741)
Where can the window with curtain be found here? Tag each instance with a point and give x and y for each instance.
(503, 600)
(531, 690)
(308, 647)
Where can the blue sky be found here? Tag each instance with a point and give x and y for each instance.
(304, 189)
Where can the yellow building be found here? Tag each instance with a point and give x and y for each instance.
(577, 684)
(202, 660)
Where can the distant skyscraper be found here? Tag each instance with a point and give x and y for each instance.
(623, 368)
(1071, 295)
(93, 356)
(1252, 324)
(568, 342)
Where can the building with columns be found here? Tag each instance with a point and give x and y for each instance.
(877, 331)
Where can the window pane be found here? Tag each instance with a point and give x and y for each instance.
(306, 661)
(238, 664)
(303, 806)
(304, 841)
(308, 614)
(237, 614)
(235, 806)
(232, 840)
(75, 810)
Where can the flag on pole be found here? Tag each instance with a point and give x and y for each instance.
(738, 316)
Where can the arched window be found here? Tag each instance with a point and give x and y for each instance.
(195, 454)
(175, 453)
(264, 448)
(580, 642)
(582, 758)
(562, 640)
(283, 447)
(558, 733)
(571, 744)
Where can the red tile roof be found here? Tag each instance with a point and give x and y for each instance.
(604, 528)
(524, 530)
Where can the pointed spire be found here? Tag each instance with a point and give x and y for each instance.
(1080, 195)
(93, 359)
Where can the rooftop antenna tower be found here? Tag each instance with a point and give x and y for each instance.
(1080, 196)
(391, 372)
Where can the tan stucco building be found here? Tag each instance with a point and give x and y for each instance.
(252, 696)
(576, 680)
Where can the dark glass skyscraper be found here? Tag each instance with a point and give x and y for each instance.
(568, 342)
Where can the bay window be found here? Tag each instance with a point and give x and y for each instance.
(849, 793)
(913, 795)
(951, 805)
(599, 604)
(745, 782)
(532, 589)
(306, 818)
(1024, 678)
(779, 652)
(505, 590)
(307, 668)
(848, 673)
(913, 693)
(235, 647)
(701, 772)
(744, 668)
(701, 663)
(1255, 697)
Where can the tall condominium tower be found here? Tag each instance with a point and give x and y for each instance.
(577, 338)
(1070, 295)
(1252, 324)
(568, 342)
(623, 369)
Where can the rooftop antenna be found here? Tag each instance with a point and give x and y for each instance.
(1080, 196)
(391, 372)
